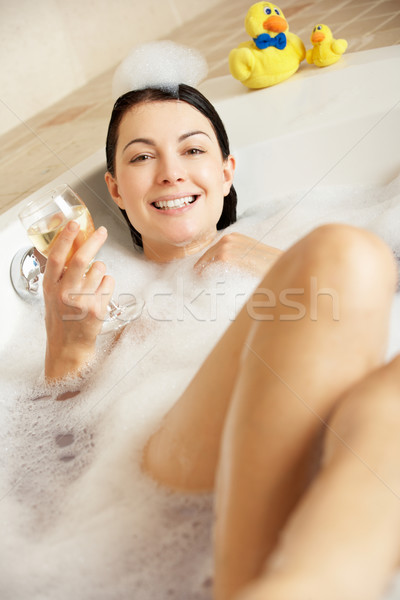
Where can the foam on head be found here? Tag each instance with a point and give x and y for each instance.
(162, 64)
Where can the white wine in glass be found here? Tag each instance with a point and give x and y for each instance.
(44, 218)
(45, 231)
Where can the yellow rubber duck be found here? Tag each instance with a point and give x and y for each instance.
(326, 50)
(273, 55)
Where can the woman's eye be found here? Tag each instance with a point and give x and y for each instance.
(194, 151)
(140, 158)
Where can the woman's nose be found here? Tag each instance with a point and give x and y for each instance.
(170, 170)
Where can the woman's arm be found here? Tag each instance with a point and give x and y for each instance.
(76, 302)
(242, 251)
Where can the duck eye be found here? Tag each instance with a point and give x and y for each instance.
(267, 10)
(277, 11)
(319, 27)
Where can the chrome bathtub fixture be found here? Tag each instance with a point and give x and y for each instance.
(26, 272)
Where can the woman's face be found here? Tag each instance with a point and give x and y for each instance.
(170, 177)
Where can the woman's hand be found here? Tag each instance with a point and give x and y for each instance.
(242, 251)
(76, 302)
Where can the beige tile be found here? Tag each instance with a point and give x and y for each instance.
(308, 11)
(306, 23)
(28, 172)
(388, 6)
(220, 69)
(193, 9)
(68, 115)
(22, 138)
(393, 22)
(350, 12)
(355, 29)
(325, 7)
(373, 3)
(371, 24)
(380, 39)
(380, 6)
(7, 115)
(296, 9)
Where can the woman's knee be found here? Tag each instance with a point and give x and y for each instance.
(336, 270)
(348, 258)
(351, 247)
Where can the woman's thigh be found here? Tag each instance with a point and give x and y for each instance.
(183, 453)
(334, 297)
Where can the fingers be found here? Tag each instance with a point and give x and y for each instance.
(241, 251)
(95, 275)
(203, 261)
(66, 251)
(225, 250)
(76, 300)
(90, 301)
(58, 255)
(99, 284)
(105, 292)
(81, 259)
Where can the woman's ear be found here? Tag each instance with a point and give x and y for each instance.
(228, 173)
(113, 189)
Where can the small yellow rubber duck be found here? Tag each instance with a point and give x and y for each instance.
(273, 55)
(326, 50)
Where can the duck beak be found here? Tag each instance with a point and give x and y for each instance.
(275, 24)
(317, 37)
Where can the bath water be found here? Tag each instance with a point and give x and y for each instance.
(79, 519)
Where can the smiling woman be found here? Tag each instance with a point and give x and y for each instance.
(279, 390)
(170, 177)
(204, 127)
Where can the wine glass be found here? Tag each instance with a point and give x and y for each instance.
(44, 218)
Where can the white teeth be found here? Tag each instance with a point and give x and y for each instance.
(176, 203)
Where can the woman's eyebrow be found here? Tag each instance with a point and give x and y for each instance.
(146, 141)
(184, 136)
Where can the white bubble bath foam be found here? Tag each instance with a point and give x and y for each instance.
(79, 519)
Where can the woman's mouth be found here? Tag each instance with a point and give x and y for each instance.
(174, 203)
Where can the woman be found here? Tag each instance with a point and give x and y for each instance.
(293, 418)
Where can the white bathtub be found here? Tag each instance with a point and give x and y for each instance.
(321, 127)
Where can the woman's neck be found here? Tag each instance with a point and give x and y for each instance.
(164, 253)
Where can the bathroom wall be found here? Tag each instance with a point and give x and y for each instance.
(49, 48)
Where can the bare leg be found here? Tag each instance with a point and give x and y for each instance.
(343, 539)
(291, 376)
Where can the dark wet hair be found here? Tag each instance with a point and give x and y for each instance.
(185, 93)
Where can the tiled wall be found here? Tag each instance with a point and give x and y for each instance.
(48, 48)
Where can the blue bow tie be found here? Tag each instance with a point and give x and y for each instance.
(265, 41)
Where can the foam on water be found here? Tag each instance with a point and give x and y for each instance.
(79, 519)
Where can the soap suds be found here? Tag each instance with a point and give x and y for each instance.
(79, 519)
(161, 64)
